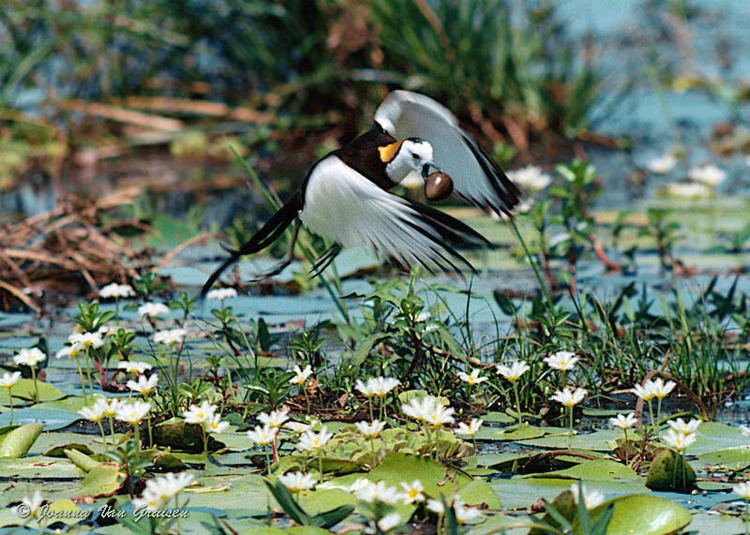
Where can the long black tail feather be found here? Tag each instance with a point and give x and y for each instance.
(270, 232)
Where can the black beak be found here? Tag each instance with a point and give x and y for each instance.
(426, 169)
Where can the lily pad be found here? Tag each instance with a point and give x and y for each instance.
(596, 441)
(19, 441)
(24, 389)
(103, 480)
(644, 514)
(597, 470)
(732, 458)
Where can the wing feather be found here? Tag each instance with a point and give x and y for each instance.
(476, 177)
(344, 206)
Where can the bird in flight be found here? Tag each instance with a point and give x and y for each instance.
(346, 196)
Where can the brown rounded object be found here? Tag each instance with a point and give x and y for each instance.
(438, 186)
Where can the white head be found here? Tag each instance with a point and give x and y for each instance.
(403, 157)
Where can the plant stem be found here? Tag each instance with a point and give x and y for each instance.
(653, 421)
(518, 403)
(137, 434)
(101, 430)
(83, 383)
(36, 387)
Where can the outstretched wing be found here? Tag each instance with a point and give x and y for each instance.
(475, 175)
(344, 206)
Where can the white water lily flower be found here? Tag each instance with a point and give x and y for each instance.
(134, 412)
(29, 357)
(389, 521)
(530, 178)
(412, 492)
(377, 492)
(742, 490)
(297, 427)
(377, 386)
(370, 429)
(170, 337)
(707, 174)
(300, 375)
(95, 413)
(199, 414)
(464, 513)
(222, 293)
(514, 371)
(472, 378)
(87, 340)
(471, 429)
(435, 506)
(677, 440)
(310, 441)
(623, 422)
(72, 351)
(215, 424)
(116, 291)
(113, 405)
(7, 380)
(562, 360)
(297, 481)
(275, 418)
(570, 397)
(135, 367)
(144, 386)
(662, 164)
(160, 490)
(656, 388)
(591, 498)
(31, 505)
(262, 436)
(689, 190)
(429, 410)
(153, 310)
(686, 428)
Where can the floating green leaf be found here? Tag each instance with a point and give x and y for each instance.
(18, 442)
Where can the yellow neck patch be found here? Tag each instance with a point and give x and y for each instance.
(388, 152)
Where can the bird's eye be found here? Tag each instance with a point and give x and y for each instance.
(415, 156)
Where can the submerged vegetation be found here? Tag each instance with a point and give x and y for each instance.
(590, 379)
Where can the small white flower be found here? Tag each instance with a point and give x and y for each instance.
(133, 413)
(377, 492)
(569, 397)
(262, 436)
(310, 441)
(31, 505)
(435, 506)
(7, 380)
(87, 340)
(707, 174)
(686, 428)
(222, 293)
(377, 386)
(199, 414)
(530, 178)
(72, 351)
(591, 498)
(651, 389)
(153, 310)
(689, 190)
(514, 371)
(742, 489)
(297, 427)
(623, 422)
(562, 360)
(662, 165)
(471, 429)
(300, 375)
(116, 291)
(170, 337)
(389, 521)
(412, 492)
(678, 440)
(134, 367)
(274, 418)
(297, 481)
(215, 425)
(472, 378)
(113, 405)
(370, 429)
(429, 410)
(162, 489)
(95, 413)
(29, 357)
(745, 430)
(465, 513)
(144, 386)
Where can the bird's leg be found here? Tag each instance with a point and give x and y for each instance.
(325, 260)
(278, 268)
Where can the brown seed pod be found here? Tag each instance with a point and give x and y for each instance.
(438, 186)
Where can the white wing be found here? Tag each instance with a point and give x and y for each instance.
(344, 206)
(475, 175)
